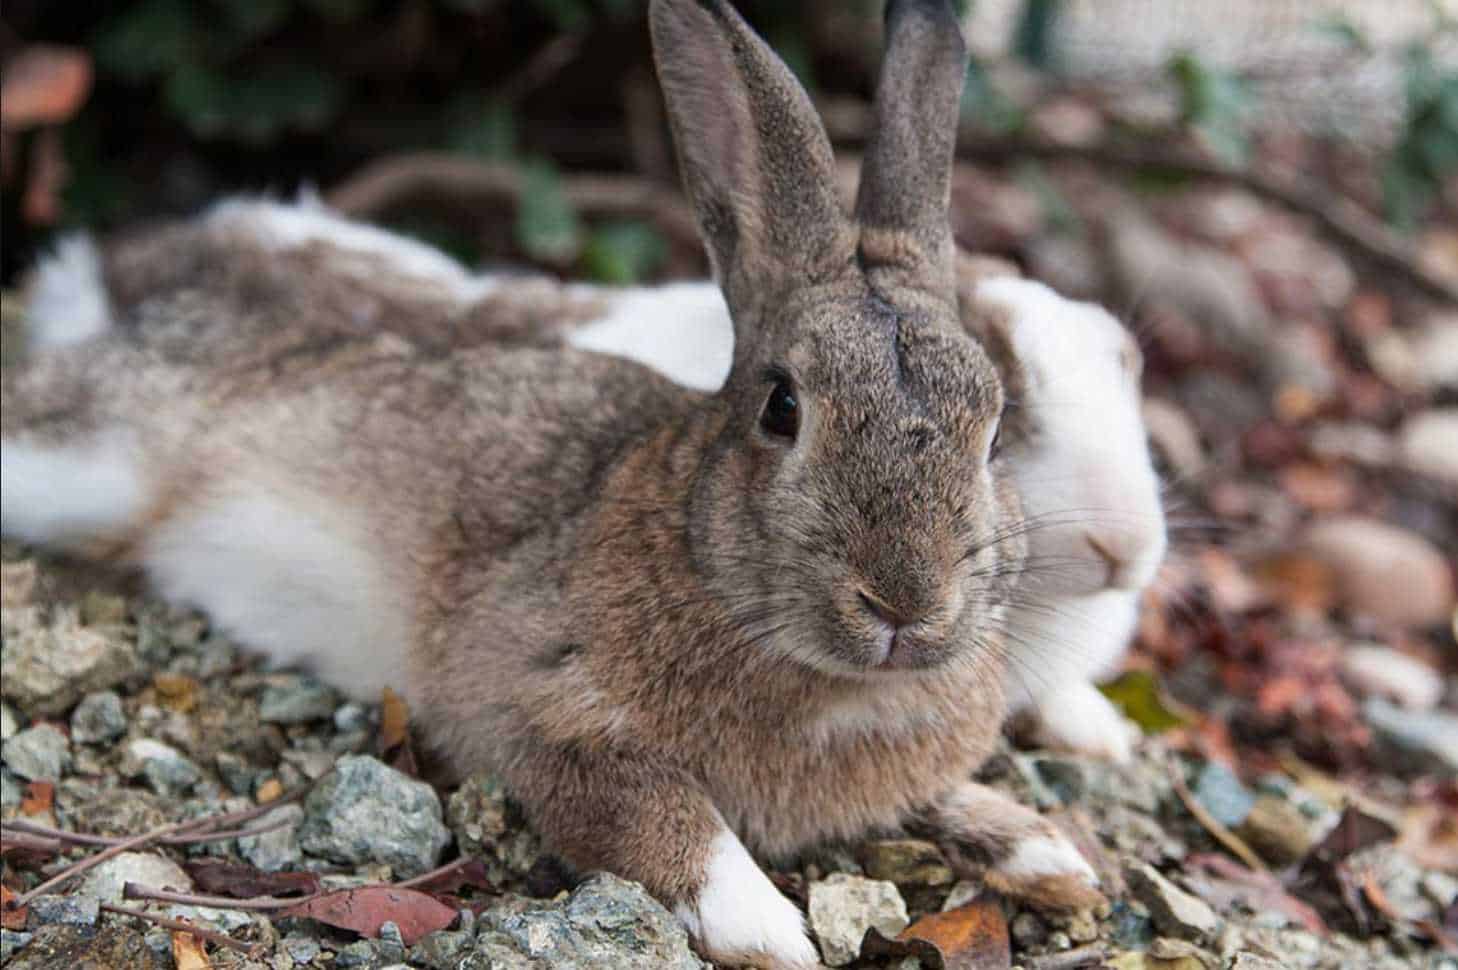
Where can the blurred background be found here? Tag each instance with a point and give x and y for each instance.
(1266, 190)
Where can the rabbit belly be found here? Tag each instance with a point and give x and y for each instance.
(295, 582)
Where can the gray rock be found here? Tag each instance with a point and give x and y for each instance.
(908, 861)
(1376, 669)
(369, 812)
(70, 910)
(167, 770)
(109, 945)
(481, 821)
(1366, 554)
(9, 723)
(298, 701)
(606, 923)
(1425, 740)
(99, 717)
(368, 954)
(278, 849)
(104, 883)
(441, 950)
(351, 716)
(843, 908)
(301, 949)
(1278, 830)
(10, 943)
(1222, 794)
(236, 771)
(49, 667)
(1174, 911)
(1428, 443)
(1245, 960)
(37, 752)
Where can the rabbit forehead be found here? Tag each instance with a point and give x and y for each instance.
(867, 358)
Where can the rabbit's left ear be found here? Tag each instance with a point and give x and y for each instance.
(906, 177)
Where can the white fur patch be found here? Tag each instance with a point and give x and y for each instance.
(1045, 856)
(681, 330)
(740, 917)
(1076, 717)
(282, 226)
(67, 301)
(65, 493)
(288, 577)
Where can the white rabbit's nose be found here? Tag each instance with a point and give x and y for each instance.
(1130, 555)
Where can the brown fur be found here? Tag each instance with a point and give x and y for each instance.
(624, 596)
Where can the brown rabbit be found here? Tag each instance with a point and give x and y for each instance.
(682, 627)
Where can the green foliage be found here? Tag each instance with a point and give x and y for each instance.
(623, 252)
(1138, 695)
(1426, 153)
(1214, 103)
(986, 106)
(547, 227)
(1033, 40)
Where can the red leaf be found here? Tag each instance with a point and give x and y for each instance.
(44, 86)
(39, 797)
(12, 917)
(366, 909)
(242, 881)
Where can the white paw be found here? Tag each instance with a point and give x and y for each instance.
(740, 918)
(1076, 717)
(1045, 855)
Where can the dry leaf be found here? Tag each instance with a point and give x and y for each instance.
(366, 909)
(394, 720)
(241, 881)
(971, 937)
(12, 917)
(268, 791)
(39, 798)
(188, 952)
(177, 692)
(44, 86)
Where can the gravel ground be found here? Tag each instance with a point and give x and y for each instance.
(122, 715)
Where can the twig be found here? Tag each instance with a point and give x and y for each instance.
(76, 868)
(435, 874)
(1343, 221)
(254, 951)
(134, 890)
(18, 826)
(1232, 842)
(385, 183)
(14, 839)
(1083, 956)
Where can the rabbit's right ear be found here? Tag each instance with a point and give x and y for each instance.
(754, 157)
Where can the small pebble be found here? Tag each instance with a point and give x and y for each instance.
(98, 718)
(40, 752)
(844, 907)
(72, 910)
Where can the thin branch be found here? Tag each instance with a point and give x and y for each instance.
(254, 951)
(435, 874)
(1343, 221)
(77, 868)
(134, 890)
(1232, 842)
(466, 181)
(1084, 956)
(22, 826)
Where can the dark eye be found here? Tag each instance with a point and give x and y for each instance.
(996, 446)
(781, 412)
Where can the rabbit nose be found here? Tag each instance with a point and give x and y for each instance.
(1124, 557)
(883, 611)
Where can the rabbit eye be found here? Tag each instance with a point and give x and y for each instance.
(995, 447)
(781, 415)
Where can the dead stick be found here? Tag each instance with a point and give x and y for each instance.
(1083, 956)
(30, 841)
(75, 869)
(134, 890)
(254, 951)
(1234, 843)
(79, 838)
(433, 874)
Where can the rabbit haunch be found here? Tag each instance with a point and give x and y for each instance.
(633, 601)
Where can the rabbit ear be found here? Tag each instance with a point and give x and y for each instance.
(754, 156)
(906, 176)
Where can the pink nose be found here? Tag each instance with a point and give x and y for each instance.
(1128, 556)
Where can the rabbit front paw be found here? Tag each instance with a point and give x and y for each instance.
(1077, 717)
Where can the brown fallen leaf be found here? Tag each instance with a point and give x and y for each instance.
(177, 692)
(12, 917)
(366, 909)
(269, 791)
(241, 881)
(394, 720)
(44, 85)
(188, 952)
(971, 937)
(38, 799)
